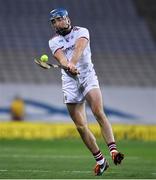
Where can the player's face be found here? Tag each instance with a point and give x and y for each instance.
(60, 23)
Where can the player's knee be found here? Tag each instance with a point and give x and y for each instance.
(98, 112)
(85, 133)
(82, 128)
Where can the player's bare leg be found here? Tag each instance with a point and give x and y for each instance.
(94, 99)
(78, 115)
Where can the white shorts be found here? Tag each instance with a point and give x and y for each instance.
(75, 90)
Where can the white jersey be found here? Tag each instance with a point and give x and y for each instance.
(75, 90)
(67, 44)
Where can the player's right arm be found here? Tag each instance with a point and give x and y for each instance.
(56, 48)
(60, 57)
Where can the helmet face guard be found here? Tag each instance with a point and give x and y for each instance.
(60, 13)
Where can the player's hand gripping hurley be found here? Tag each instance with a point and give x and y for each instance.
(46, 65)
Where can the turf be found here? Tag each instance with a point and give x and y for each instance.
(69, 159)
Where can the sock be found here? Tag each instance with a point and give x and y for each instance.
(99, 157)
(112, 147)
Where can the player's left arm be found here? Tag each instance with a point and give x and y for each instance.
(80, 45)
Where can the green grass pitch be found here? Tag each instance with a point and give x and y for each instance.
(69, 159)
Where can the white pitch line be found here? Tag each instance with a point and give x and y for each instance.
(30, 170)
(25, 170)
(45, 156)
(57, 156)
(41, 171)
(3, 170)
(74, 171)
(47, 171)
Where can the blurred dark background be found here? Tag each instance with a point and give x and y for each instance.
(123, 39)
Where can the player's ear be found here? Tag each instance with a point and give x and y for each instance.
(68, 19)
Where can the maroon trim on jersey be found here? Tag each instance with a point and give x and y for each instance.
(84, 37)
(58, 49)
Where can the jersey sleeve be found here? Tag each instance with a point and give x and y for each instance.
(55, 44)
(83, 33)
